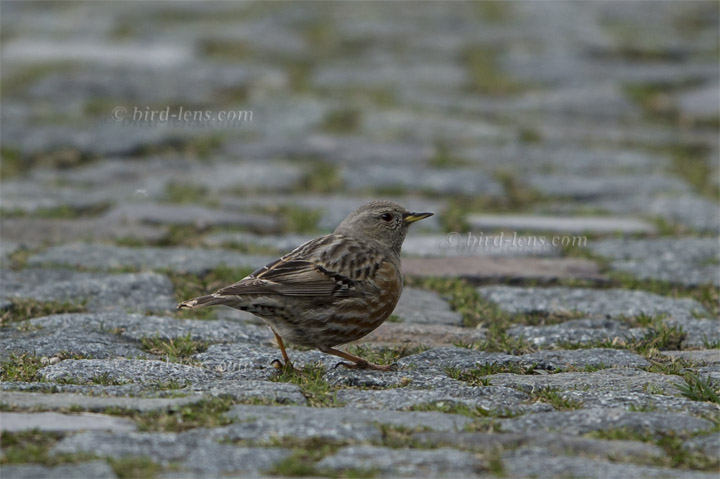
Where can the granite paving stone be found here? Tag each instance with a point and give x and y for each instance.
(700, 102)
(98, 292)
(425, 307)
(558, 443)
(436, 181)
(421, 335)
(440, 462)
(699, 333)
(605, 303)
(36, 232)
(688, 261)
(569, 225)
(582, 187)
(703, 356)
(82, 470)
(36, 400)
(586, 420)
(124, 371)
(465, 359)
(688, 210)
(106, 257)
(577, 332)
(495, 400)
(260, 423)
(191, 215)
(57, 422)
(457, 244)
(493, 269)
(537, 462)
(610, 380)
(708, 444)
(193, 452)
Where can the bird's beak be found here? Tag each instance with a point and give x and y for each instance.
(413, 217)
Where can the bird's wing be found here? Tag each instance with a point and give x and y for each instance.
(320, 267)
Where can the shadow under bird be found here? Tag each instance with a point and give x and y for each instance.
(332, 290)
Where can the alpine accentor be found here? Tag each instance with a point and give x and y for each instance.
(331, 290)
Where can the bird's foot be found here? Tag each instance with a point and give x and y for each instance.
(362, 364)
(280, 366)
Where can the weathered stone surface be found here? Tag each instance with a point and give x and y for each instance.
(688, 261)
(83, 470)
(124, 371)
(198, 216)
(581, 187)
(608, 303)
(700, 101)
(611, 380)
(186, 260)
(36, 231)
(412, 335)
(585, 420)
(699, 333)
(259, 423)
(495, 400)
(405, 462)
(583, 358)
(135, 327)
(436, 181)
(284, 393)
(194, 452)
(537, 462)
(558, 443)
(463, 358)
(30, 400)
(576, 331)
(481, 268)
(704, 356)
(574, 225)
(334, 208)
(425, 307)
(708, 444)
(97, 291)
(470, 244)
(55, 422)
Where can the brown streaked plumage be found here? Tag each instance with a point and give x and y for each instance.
(331, 290)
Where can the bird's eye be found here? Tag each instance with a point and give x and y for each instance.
(386, 216)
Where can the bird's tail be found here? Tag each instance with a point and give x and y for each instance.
(201, 302)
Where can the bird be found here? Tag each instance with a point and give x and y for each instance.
(331, 290)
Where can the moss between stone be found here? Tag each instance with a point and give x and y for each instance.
(208, 412)
(317, 391)
(59, 212)
(24, 309)
(344, 120)
(553, 396)
(34, 447)
(24, 367)
(135, 468)
(178, 350)
(676, 456)
(320, 177)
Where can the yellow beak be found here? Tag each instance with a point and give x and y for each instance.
(413, 217)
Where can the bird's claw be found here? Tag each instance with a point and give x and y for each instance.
(280, 366)
(366, 365)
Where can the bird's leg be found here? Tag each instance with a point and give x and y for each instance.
(286, 358)
(357, 363)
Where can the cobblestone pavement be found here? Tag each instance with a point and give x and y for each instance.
(560, 316)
